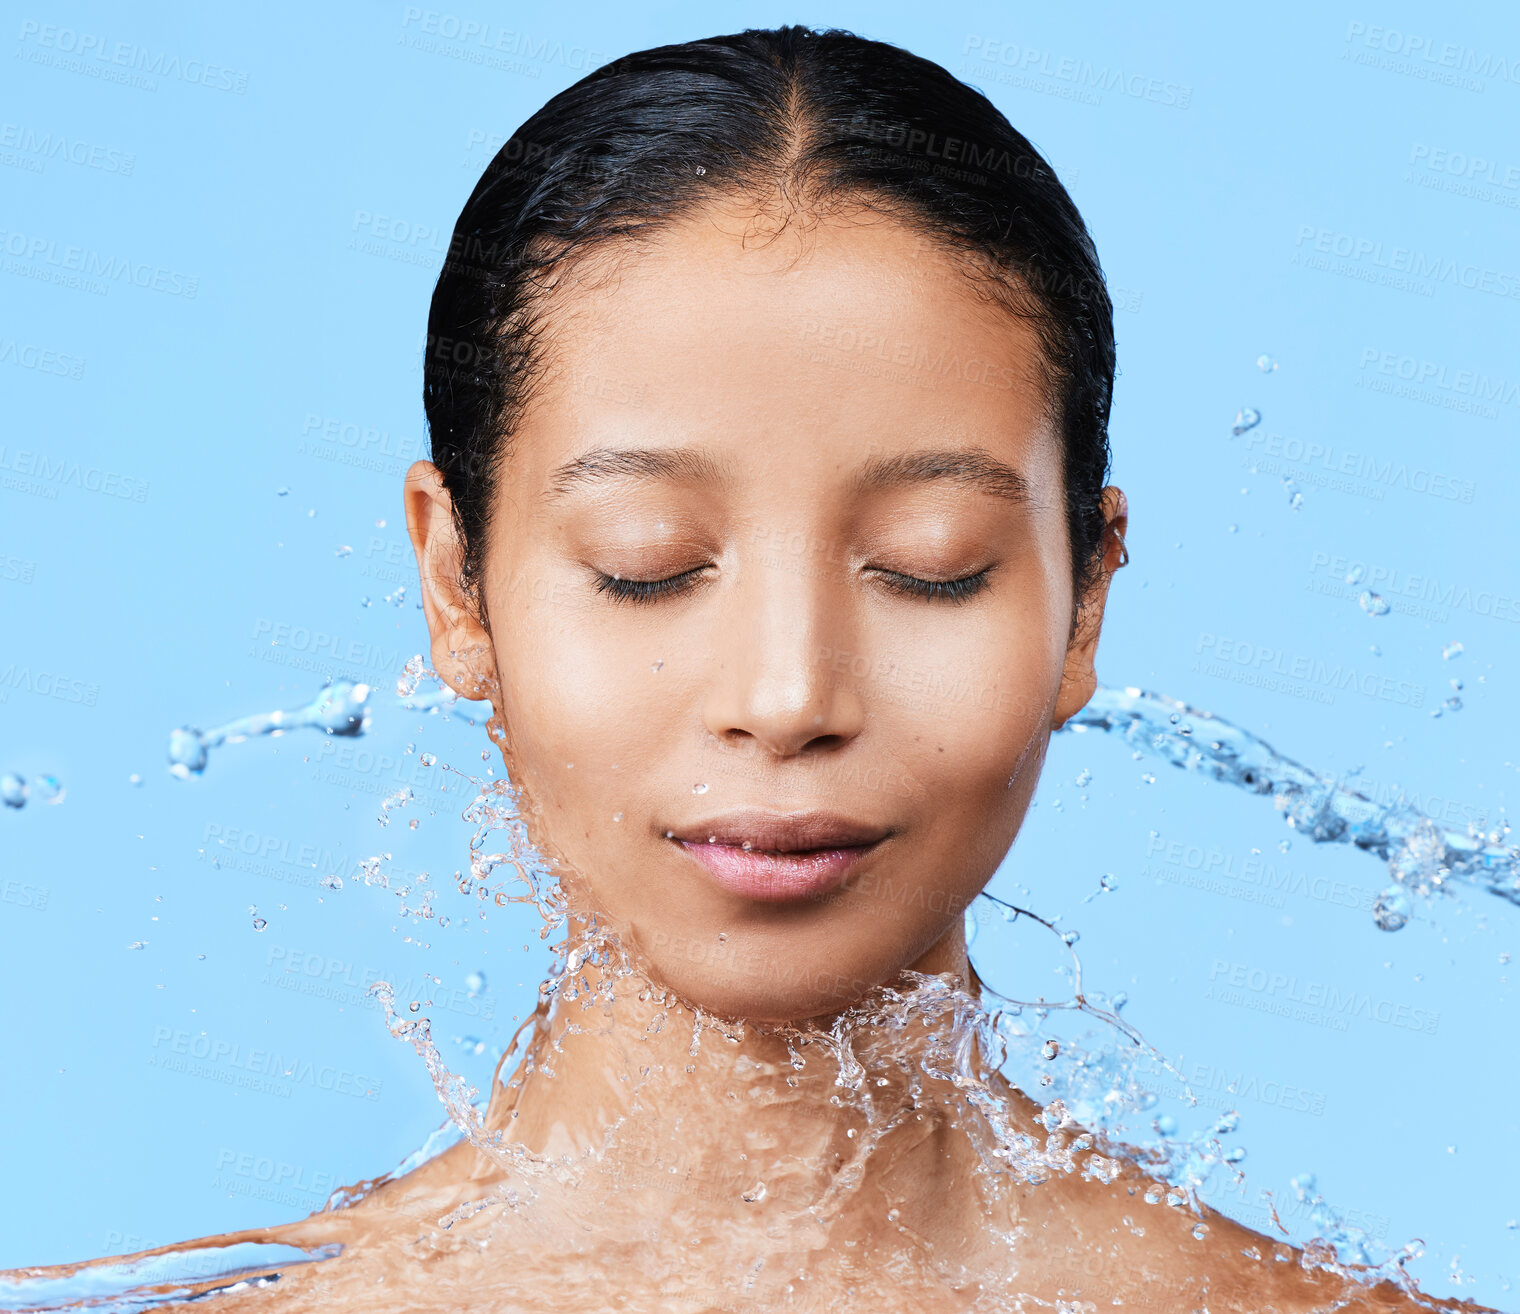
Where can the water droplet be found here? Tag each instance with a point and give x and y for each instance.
(344, 551)
(1247, 417)
(13, 790)
(655, 667)
(428, 759)
(1452, 649)
(894, 1214)
(699, 789)
(617, 816)
(755, 1194)
(1374, 650)
(1354, 575)
(282, 492)
(1284, 845)
(259, 923)
(1200, 1230)
(332, 882)
(1295, 503)
(1265, 363)
(187, 753)
(475, 983)
(1084, 777)
(138, 944)
(1391, 911)
(700, 170)
(1453, 704)
(1166, 1125)
(1050, 1049)
(1373, 604)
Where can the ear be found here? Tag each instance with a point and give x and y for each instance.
(1079, 678)
(461, 645)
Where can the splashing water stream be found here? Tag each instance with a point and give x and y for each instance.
(924, 1056)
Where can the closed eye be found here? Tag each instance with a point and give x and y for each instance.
(946, 590)
(647, 590)
(653, 590)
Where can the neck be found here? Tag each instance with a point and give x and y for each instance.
(827, 1118)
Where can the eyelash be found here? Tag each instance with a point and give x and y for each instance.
(647, 590)
(934, 590)
(937, 590)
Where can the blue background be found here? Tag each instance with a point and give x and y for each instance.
(305, 167)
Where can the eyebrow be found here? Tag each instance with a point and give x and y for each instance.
(973, 468)
(680, 464)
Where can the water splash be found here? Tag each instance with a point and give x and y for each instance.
(156, 1277)
(15, 789)
(1247, 417)
(1423, 857)
(341, 708)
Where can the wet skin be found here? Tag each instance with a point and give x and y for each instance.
(711, 433)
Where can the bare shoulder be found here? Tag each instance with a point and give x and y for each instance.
(1106, 1242)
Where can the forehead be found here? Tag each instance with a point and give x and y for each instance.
(832, 341)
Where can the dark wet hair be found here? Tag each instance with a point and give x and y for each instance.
(818, 118)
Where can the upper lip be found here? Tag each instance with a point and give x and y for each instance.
(782, 832)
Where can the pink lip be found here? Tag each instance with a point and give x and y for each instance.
(776, 857)
(777, 877)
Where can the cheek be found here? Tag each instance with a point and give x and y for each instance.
(581, 706)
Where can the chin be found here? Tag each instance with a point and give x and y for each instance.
(754, 983)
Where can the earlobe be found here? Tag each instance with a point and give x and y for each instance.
(461, 647)
(1079, 678)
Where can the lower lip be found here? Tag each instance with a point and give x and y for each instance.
(777, 877)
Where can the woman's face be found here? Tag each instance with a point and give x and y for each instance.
(719, 592)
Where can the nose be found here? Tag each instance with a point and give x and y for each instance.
(776, 658)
